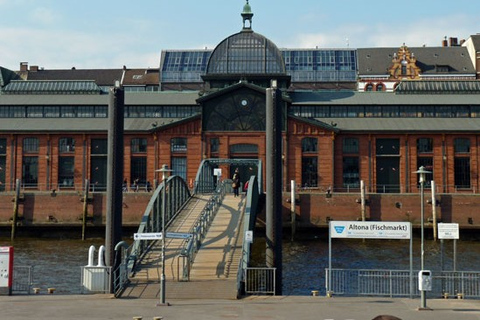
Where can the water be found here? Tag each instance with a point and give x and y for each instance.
(305, 261)
(57, 263)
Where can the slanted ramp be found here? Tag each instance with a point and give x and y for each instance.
(214, 270)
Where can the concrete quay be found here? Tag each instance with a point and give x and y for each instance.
(101, 307)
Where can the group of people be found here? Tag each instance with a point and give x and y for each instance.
(136, 186)
(236, 184)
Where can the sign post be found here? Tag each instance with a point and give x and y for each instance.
(449, 231)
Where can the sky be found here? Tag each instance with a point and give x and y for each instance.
(88, 34)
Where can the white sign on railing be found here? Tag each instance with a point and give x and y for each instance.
(147, 236)
(370, 229)
(448, 231)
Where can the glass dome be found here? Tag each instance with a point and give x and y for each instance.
(246, 53)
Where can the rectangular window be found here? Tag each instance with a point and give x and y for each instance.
(309, 145)
(178, 145)
(424, 145)
(214, 145)
(138, 170)
(427, 163)
(179, 167)
(30, 172)
(52, 112)
(388, 147)
(462, 172)
(309, 172)
(34, 112)
(350, 145)
(66, 145)
(3, 147)
(85, 112)
(462, 145)
(66, 169)
(139, 145)
(67, 112)
(30, 145)
(351, 172)
(3, 162)
(99, 146)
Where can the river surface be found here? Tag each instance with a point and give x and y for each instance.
(57, 263)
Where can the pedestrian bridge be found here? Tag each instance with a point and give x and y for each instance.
(205, 252)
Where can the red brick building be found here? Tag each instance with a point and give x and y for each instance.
(211, 104)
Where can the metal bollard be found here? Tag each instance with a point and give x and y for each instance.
(157, 318)
(137, 318)
(315, 293)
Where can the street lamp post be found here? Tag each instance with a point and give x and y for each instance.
(421, 179)
(164, 170)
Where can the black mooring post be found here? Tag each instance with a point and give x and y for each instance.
(274, 184)
(113, 230)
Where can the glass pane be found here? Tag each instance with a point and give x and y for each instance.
(309, 145)
(99, 146)
(350, 145)
(66, 145)
(30, 171)
(179, 167)
(351, 172)
(139, 145)
(462, 172)
(309, 172)
(178, 145)
(66, 169)
(30, 145)
(425, 145)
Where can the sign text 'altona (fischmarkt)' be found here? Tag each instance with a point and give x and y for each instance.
(370, 229)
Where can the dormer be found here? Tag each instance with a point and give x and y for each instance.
(404, 65)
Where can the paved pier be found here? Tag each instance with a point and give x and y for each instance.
(101, 307)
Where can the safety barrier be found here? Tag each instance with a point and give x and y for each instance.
(260, 281)
(22, 279)
(402, 283)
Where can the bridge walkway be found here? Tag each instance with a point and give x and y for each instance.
(215, 267)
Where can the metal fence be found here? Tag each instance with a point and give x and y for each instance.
(96, 279)
(22, 279)
(260, 281)
(401, 283)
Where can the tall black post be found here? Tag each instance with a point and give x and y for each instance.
(274, 184)
(113, 232)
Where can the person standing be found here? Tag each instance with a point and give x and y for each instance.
(236, 182)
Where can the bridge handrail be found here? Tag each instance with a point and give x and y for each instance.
(151, 219)
(253, 195)
(200, 227)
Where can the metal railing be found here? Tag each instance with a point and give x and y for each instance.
(199, 230)
(22, 279)
(177, 195)
(401, 283)
(260, 281)
(250, 216)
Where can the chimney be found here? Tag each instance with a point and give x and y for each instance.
(445, 42)
(453, 42)
(34, 68)
(23, 66)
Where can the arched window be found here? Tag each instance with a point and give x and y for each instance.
(369, 87)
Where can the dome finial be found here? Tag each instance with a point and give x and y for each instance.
(247, 16)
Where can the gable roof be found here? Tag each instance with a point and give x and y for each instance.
(376, 61)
